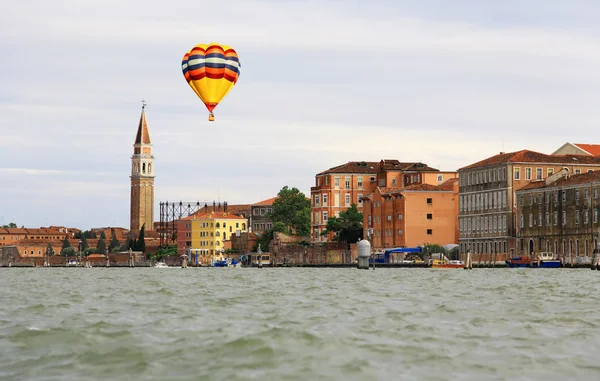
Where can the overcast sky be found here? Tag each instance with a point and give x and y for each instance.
(322, 83)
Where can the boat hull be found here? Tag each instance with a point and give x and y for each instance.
(526, 262)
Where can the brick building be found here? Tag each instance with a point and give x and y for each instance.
(559, 215)
(412, 215)
(487, 208)
(259, 219)
(142, 179)
(337, 188)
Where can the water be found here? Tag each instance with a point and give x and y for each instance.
(299, 324)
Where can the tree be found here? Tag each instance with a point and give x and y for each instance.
(114, 243)
(10, 225)
(101, 246)
(140, 244)
(128, 243)
(49, 249)
(84, 243)
(267, 236)
(65, 243)
(102, 235)
(347, 227)
(292, 208)
(68, 251)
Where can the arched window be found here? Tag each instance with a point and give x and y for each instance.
(224, 236)
(218, 234)
(243, 226)
(143, 167)
(230, 229)
(149, 168)
(218, 225)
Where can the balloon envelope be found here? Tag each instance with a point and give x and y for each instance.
(211, 70)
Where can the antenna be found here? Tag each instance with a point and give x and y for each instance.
(143, 104)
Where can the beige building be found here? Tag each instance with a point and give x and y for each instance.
(487, 208)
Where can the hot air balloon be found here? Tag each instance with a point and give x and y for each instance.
(211, 71)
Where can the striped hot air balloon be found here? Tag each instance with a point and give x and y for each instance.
(211, 71)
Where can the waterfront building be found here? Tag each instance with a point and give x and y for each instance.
(208, 232)
(412, 215)
(142, 179)
(578, 149)
(259, 218)
(559, 215)
(487, 204)
(337, 188)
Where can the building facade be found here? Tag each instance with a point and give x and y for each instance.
(142, 179)
(259, 218)
(559, 215)
(209, 231)
(413, 215)
(487, 204)
(337, 188)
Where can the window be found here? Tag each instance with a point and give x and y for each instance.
(400, 216)
(550, 171)
(578, 171)
(586, 217)
(555, 217)
(538, 173)
(547, 218)
(530, 220)
(389, 218)
(577, 217)
(429, 201)
(324, 200)
(324, 216)
(595, 216)
(359, 198)
(316, 202)
(347, 183)
(595, 192)
(359, 180)
(564, 195)
(521, 197)
(336, 182)
(576, 194)
(429, 216)
(564, 218)
(347, 199)
(586, 193)
(540, 219)
(429, 231)
(440, 178)
(527, 173)
(393, 181)
(399, 231)
(517, 173)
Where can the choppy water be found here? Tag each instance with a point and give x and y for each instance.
(299, 324)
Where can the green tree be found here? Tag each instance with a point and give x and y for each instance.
(267, 236)
(49, 249)
(114, 243)
(347, 227)
(102, 235)
(101, 246)
(140, 244)
(128, 243)
(68, 251)
(65, 243)
(292, 208)
(10, 225)
(84, 243)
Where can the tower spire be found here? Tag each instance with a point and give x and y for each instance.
(143, 136)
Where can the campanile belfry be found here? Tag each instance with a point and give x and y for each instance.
(142, 179)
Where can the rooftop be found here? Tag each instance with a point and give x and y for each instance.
(584, 178)
(527, 156)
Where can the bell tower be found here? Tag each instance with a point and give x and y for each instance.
(142, 179)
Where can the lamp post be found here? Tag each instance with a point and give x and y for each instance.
(79, 247)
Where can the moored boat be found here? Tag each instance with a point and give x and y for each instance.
(441, 264)
(161, 265)
(541, 260)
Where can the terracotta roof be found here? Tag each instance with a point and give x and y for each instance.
(266, 202)
(353, 167)
(213, 215)
(583, 178)
(237, 209)
(143, 136)
(592, 149)
(526, 156)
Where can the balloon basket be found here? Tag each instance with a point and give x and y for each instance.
(211, 117)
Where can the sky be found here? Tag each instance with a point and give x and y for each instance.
(322, 83)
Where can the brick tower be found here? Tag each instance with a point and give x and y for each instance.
(142, 179)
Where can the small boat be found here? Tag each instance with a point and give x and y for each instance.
(542, 260)
(161, 265)
(441, 264)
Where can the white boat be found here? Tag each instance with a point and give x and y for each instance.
(161, 264)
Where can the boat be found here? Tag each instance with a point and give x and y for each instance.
(225, 263)
(161, 265)
(442, 264)
(541, 260)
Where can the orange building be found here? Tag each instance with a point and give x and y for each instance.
(11, 236)
(339, 187)
(412, 215)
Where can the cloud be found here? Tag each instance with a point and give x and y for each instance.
(322, 83)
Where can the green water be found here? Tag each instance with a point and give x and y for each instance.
(299, 324)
